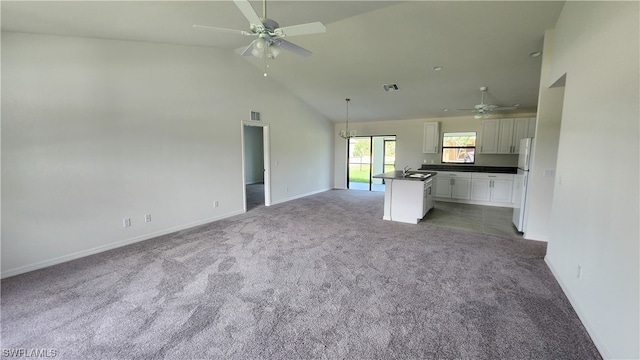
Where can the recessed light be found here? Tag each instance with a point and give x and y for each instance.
(516, 105)
(445, 110)
(535, 54)
(437, 68)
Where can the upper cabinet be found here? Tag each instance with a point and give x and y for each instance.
(431, 138)
(502, 136)
(489, 136)
(505, 143)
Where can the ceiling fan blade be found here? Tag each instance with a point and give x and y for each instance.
(505, 108)
(467, 109)
(248, 12)
(217, 29)
(292, 48)
(302, 29)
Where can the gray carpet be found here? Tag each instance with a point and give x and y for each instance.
(318, 277)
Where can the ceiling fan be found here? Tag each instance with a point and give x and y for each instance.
(269, 34)
(483, 110)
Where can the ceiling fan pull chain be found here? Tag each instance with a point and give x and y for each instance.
(266, 47)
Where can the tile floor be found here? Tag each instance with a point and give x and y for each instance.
(475, 218)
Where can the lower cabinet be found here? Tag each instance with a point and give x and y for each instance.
(453, 185)
(475, 188)
(491, 187)
(407, 201)
(427, 203)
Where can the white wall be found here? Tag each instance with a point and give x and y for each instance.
(94, 131)
(253, 155)
(596, 197)
(543, 164)
(409, 142)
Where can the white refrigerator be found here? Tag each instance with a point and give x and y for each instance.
(521, 183)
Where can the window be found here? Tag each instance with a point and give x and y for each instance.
(459, 147)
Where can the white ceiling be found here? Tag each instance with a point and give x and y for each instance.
(367, 44)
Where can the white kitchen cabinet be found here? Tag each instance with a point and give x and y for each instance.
(522, 128)
(505, 139)
(480, 189)
(489, 134)
(443, 186)
(502, 136)
(453, 185)
(495, 188)
(431, 138)
(428, 197)
(408, 200)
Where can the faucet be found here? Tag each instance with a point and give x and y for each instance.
(405, 171)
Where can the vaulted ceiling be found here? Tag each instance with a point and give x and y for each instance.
(367, 44)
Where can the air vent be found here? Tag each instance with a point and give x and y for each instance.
(390, 87)
(255, 116)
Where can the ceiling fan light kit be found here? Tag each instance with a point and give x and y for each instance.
(270, 35)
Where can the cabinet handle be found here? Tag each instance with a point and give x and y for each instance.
(451, 182)
(429, 192)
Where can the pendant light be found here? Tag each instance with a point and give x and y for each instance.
(346, 133)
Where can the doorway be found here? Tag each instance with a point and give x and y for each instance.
(256, 165)
(368, 156)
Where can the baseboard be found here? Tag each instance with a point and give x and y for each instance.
(299, 196)
(592, 333)
(475, 202)
(117, 244)
(535, 237)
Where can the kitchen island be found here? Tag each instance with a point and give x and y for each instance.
(407, 196)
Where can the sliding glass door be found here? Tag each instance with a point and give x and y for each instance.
(368, 156)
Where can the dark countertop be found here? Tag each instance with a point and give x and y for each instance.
(397, 175)
(471, 168)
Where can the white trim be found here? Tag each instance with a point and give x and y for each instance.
(117, 244)
(266, 144)
(600, 345)
(301, 196)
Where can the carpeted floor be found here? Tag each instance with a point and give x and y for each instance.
(318, 277)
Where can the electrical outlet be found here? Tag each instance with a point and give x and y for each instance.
(579, 272)
(215, 204)
(126, 222)
(147, 218)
